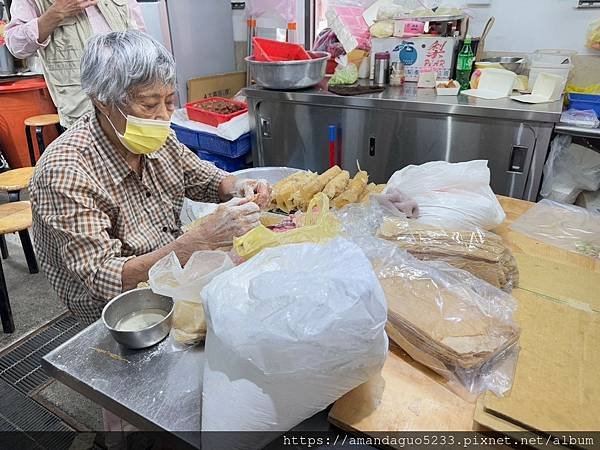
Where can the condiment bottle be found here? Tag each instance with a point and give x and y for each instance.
(397, 74)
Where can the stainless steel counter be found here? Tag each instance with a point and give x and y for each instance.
(409, 98)
(405, 125)
(153, 389)
(592, 133)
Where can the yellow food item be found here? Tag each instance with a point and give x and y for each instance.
(283, 191)
(371, 188)
(353, 190)
(337, 185)
(189, 322)
(315, 186)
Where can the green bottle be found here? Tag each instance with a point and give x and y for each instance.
(464, 64)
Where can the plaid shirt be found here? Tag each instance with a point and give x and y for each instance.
(92, 212)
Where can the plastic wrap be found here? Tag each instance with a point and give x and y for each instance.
(451, 195)
(344, 75)
(382, 29)
(184, 284)
(586, 118)
(318, 226)
(593, 35)
(327, 41)
(482, 253)
(570, 169)
(447, 319)
(565, 226)
(289, 332)
(286, 9)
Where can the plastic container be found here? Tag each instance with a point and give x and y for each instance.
(555, 62)
(197, 140)
(493, 84)
(20, 100)
(270, 50)
(447, 91)
(223, 162)
(585, 101)
(211, 118)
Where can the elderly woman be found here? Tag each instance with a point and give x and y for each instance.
(107, 194)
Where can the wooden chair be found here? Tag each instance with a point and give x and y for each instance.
(15, 217)
(13, 182)
(39, 122)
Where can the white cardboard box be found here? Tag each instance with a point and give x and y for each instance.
(416, 53)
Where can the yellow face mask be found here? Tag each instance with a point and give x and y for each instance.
(143, 136)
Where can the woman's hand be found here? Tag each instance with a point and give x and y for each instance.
(232, 219)
(257, 191)
(398, 203)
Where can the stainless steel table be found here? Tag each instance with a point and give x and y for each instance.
(400, 126)
(153, 389)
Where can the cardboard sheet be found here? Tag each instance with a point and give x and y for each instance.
(556, 385)
(405, 397)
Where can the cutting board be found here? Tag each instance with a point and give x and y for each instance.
(556, 385)
(548, 270)
(405, 396)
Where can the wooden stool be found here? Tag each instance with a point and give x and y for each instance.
(39, 122)
(15, 217)
(13, 181)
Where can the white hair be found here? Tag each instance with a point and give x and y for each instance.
(115, 63)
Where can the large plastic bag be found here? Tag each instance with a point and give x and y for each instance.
(344, 75)
(289, 332)
(319, 225)
(565, 226)
(570, 169)
(382, 29)
(327, 41)
(184, 284)
(447, 319)
(451, 195)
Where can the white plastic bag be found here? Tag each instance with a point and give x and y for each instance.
(570, 169)
(184, 285)
(451, 195)
(289, 332)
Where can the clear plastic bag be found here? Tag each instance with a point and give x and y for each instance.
(183, 285)
(382, 29)
(481, 253)
(327, 41)
(570, 169)
(586, 118)
(289, 332)
(286, 9)
(565, 226)
(593, 35)
(447, 319)
(451, 195)
(344, 75)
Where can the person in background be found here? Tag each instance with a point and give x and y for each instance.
(107, 194)
(58, 30)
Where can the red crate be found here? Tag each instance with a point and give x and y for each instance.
(211, 118)
(269, 50)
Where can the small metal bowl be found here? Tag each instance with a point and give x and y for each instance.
(289, 74)
(512, 63)
(138, 300)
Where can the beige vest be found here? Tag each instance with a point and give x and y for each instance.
(62, 56)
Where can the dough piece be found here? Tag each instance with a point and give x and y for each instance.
(371, 188)
(303, 197)
(337, 185)
(189, 323)
(353, 190)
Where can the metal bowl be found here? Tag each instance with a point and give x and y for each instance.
(132, 301)
(289, 74)
(512, 63)
(271, 174)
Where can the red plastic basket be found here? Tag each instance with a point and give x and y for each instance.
(269, 50)
(212, 118)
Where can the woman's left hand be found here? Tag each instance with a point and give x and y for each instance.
(258, 191)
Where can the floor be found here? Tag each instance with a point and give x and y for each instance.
(35, 306)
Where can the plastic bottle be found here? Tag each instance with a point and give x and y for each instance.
(464, 64)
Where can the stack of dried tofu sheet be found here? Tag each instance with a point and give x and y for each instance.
(479, 252)
(296, 191)
(447, 319)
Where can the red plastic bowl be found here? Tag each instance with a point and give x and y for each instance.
(212, 118)
(269, 50)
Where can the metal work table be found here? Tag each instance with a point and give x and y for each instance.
(403, 125)
(153, 389)
(409, 98)
(592, 133)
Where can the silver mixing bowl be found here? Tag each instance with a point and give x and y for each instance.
(512, 63)
(289, 74)
(138, 300)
